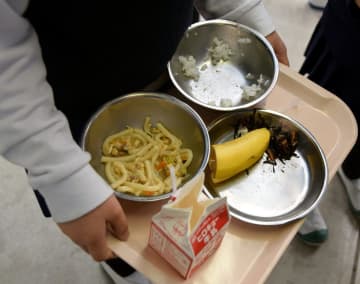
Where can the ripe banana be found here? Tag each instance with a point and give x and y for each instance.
(234, 156)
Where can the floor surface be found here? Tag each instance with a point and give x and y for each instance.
(33, 251)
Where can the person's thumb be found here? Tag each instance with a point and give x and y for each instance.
(283, 59)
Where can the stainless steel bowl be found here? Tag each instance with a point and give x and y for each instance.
(131, 110)
(267, 194)
(252, 61)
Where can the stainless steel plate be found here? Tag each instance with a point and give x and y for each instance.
(267, 194)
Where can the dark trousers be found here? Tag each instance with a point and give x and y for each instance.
(332, 60)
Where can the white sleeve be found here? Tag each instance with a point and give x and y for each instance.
(251, 13)
(34, 134)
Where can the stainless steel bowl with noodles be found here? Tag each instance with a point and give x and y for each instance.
(136, 140)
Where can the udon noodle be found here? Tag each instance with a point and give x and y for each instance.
(137, 160)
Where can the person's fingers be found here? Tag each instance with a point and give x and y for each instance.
(281, 53)
(283, 59)
(99, 250)
(84, 248)
(117, 223)
(89, 231)
(279, 47)
(118, 229)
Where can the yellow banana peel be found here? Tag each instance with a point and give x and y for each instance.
(234, 156)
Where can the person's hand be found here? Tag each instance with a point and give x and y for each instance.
(279, 47)
(357, 2)
(89, 231)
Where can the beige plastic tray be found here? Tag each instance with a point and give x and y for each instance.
(248, 252)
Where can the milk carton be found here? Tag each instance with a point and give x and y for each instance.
(187, 230)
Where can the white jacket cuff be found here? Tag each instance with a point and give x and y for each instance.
(66, 204)
(257, 18)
